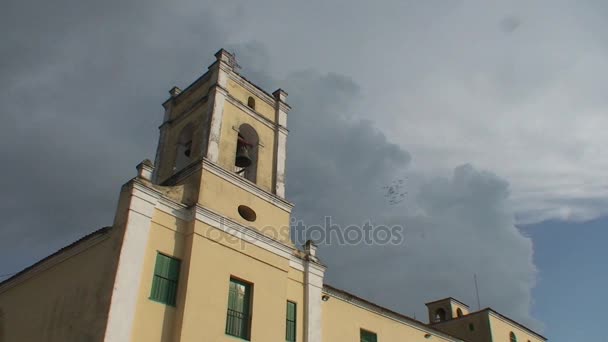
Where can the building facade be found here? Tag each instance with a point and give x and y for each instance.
(200, 247)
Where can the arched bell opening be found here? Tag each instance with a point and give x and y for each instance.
(440, 315)
(246, 157)
(183, 153)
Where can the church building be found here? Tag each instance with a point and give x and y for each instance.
(200, 248)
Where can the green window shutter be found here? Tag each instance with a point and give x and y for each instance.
(239, 315)
(368, 336)
(290, 333)
(164, 283)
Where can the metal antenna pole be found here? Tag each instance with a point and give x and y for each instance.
(477, 291)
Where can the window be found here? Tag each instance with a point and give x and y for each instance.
(290, 331)
(238, 318)
(458, 312)
(512, 337)
(471, 327)
(164, 283)
(251, 102)
(368, 336)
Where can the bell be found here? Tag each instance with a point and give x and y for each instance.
(242, 156)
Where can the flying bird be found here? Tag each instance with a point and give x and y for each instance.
(395, 192)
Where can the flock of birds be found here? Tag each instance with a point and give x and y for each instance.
(395, 192)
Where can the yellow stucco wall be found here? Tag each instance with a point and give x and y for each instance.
(209, 258)
(501, 329)
(224, 198)
(194, 93)
(242, 94)
(460, 327)
(68, 301)
(342, 321)
(455, 306)
(295, 293)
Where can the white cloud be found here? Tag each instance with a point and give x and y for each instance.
(515, 87)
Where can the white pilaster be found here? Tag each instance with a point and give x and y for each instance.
(130, 265)
(281, 158)
(313, 288)
(281, 109)
(158, 160)
(218, 95)
(215, 128)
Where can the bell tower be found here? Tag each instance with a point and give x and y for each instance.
(223, 143)
(446, 309)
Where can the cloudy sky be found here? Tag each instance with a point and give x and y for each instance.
(493, 115)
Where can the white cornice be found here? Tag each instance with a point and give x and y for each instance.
(186, 112)
(383, 312)
(259, 117)
(296, 263)
(515, 324)
(228, 226)
(252, 88)
(248, 234)
(246, 185)
(284, 107)
(203, 78)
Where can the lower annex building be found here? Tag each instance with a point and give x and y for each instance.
(190, 257)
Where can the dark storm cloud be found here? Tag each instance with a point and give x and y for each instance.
(454, 227)
(81, 93)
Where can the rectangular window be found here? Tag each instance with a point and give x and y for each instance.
(164, 283)
(290, 333)
(368, 336)
(238, 319)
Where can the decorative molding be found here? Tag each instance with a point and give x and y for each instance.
(173, 208)
(450, 299)
(186, 112)
(248, 234)
(514, 324)
(201, 80)
(363, 304)
(297, 263)
(284, 107)
(252, 113)
(232, 178)
(243, 82)
(247, 185)
(225, 224)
